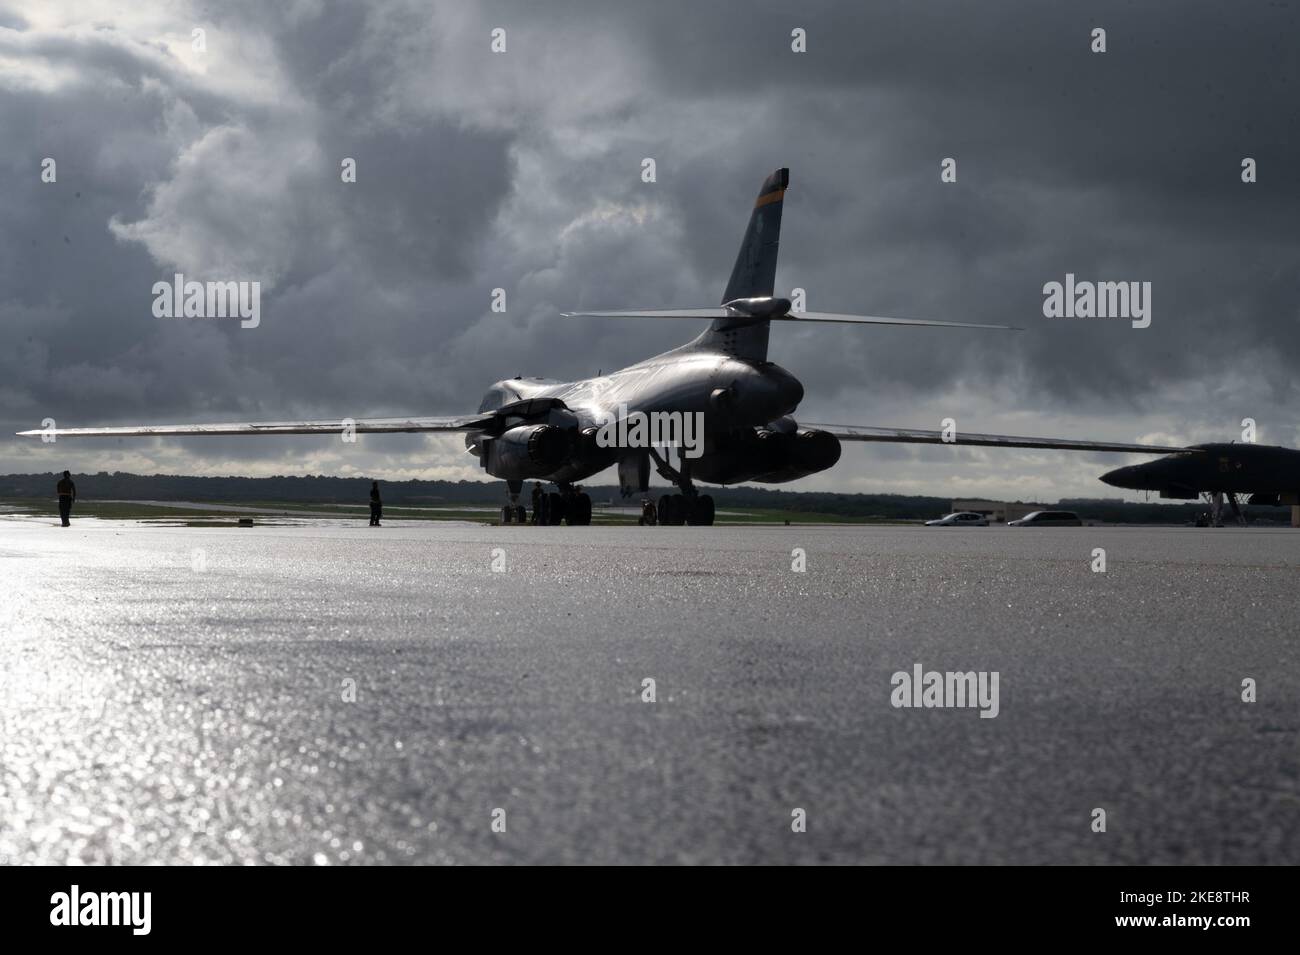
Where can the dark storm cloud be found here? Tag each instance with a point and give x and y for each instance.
(521, 171)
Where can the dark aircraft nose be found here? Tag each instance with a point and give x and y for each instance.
(1126, 477)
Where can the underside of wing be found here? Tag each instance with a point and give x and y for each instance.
(357, 425)
(914, 436)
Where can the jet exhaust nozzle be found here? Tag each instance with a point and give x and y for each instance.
(527, 451)
(816, 450)
(587, 451)
(770, 456)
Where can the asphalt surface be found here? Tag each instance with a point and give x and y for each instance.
(176, 694)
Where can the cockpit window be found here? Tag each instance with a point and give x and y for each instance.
(494, 399)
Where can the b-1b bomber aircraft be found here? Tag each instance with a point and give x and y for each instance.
(1265, 475)
(540, 429)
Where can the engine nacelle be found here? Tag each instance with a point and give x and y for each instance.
(587, 454)
(768, 456)
(526, 451)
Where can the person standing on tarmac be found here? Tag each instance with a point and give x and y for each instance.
(67, 495)
(537, 502)
(376, 505)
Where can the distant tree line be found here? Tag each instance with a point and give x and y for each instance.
(320, 489)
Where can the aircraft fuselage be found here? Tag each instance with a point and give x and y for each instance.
(734, 395)
(1216, 468)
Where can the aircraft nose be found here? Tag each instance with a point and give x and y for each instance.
(1122, 477)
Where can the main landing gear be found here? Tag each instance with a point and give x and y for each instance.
(675, 510)
(570, 506)
(687, 507)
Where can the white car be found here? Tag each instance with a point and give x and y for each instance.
(960, 519)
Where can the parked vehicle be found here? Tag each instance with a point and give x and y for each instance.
(960, 519)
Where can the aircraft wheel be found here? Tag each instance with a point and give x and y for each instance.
(667, 510)
(649, 516)
(702, 511)
(578, 510)
(555, 509)
(681, 509)
(521, 515)
(507, 514)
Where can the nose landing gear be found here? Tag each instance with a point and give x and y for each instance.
(1216, 508)
(514, 512)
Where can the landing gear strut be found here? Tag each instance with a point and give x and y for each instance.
(514, 512)
(1216, 508)
(687, 507)
(634, 478)
(1236, 508)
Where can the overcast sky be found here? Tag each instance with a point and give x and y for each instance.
(522, 170)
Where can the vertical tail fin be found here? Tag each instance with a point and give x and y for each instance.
(753, 276)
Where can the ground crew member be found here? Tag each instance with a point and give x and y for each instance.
(67, 494)
(376, 505)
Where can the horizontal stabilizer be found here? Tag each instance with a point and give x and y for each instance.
(881, 320)
(357, 425)
(718, 312)
(914, 436)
